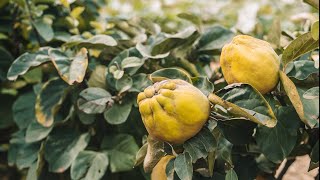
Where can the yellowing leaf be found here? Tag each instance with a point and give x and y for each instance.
(293, 95)
(71, 69)
(49, 100)
(76, 12)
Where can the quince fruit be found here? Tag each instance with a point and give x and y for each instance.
(173, 110)
(159, 171)
(251, 61)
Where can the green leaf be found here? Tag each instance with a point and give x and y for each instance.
(170, 73)
(203, 84)
(242, 100)
(49, 100)
(311, 93)
(94, 100)
(315, 30)
(215, 38)
(86, 118)
(231, 175)
(277, 143)
(301, 70)
(132, 62)
(140, 82)
(23, 110)
(170, 170)
(36, 132)
(62, 147)
(183, 166)
(71, 69)
(145, 51)
(27, 60)
(141, 154)
(98, 77)
(122, 150)
(22, 154)
(89, 165)
(118, 74)
(200, 145)
(45, 30)
(224, 151)
(33, 76)
(170, 42)
(97, 42)
(124, 83)
(301, 45)
(118, 113)
(310, 107)
(196, 20)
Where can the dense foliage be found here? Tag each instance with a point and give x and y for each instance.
(71, 70)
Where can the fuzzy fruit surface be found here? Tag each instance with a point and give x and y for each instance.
(251, 61)
(159, 171)
(173, 110)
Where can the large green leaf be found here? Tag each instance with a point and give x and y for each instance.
(49, 100)
(310, 107)
(215, 38)
(277, 143)
(23, 110)
(203, 84)
(169, 42)
(200, 145)
(93, 100)
(124, 83)
(242, 100)
(170, 73)
(27, 60)
(97, 42)
(140, 82)
(20, 153)
(62, 147)
(45, 30)
(89, 165)
(301, 45)
(118, 113)
(183, 166)
(36, 132)
(122, 150)
(71, 68)
(301, 70)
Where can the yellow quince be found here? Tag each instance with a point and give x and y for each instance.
(173, 110)
(159, 171)
(251, 61)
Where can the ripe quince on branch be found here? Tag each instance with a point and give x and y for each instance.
(173, 110)
(251, 61)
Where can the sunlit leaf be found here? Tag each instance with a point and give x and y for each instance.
(231, 175)
(71, 69)
(301, 45)
(242, 100)
(27, 60)
(315, 30)
(97, 42)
